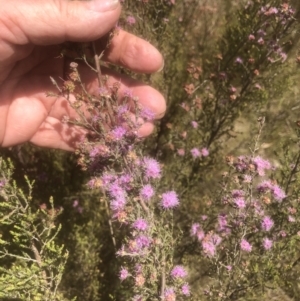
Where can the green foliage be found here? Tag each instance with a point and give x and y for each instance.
(32, 263)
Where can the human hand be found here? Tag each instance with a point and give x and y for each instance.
(30, 38)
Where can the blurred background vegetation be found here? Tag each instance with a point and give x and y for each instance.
(199, 39)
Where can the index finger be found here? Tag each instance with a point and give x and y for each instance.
(132, 52)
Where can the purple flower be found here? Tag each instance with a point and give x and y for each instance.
(169, 200)
(169, 294)
(265, 186)
(245, 245)
(180, 152)
(185, 289)
(278, 193)
(194, 229)
(204, 152)
(131, 20)
(146, 192)
(210, 243)
(258, 86)
(116, 191)
(271, 11)
(216, 239)
(178, 272)
(247, 178)
(222, 221)
(282, 233)
(152, 168)
(238, 60)
(143, 241)
(283, 56)
(209, 248)
(118, 133)
(194, 124)
(261, 165)
(251, 37)
(99, 151)
(122, 112)
(123, 274)
(124, 181)
(200, 235)
(267, 243)
(118, 203)
(128, 93)
(260, 41)
(267, 223)
(140, 224)
(241, 165)
(147, 114)
(2, 183)
(261, 33)
(138, 268)
(91, 183)
(240, 203)
(103, 91)
(237, 193)
(107, 178)
(291, 219)
(195, 152)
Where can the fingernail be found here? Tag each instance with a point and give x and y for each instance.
(162, 67)
(103, 5)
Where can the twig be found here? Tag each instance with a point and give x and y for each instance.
(111, 229)
(38, 260)
(144, 205)
(163, 278)
(96, 58)
(8, 216)
(261, 121)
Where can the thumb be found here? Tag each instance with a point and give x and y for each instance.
(45, 22)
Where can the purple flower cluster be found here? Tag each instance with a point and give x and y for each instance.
(209, 241)
(250, 204)
(261, 165)
(178, 272)
(274, 189)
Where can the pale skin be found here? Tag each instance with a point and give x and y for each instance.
(31, 32)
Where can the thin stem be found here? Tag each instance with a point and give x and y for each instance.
(111, 229)
(261, 121)
(38, 260)
(292, 173)
(163, 277)
(97, 63)
(144, 206)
